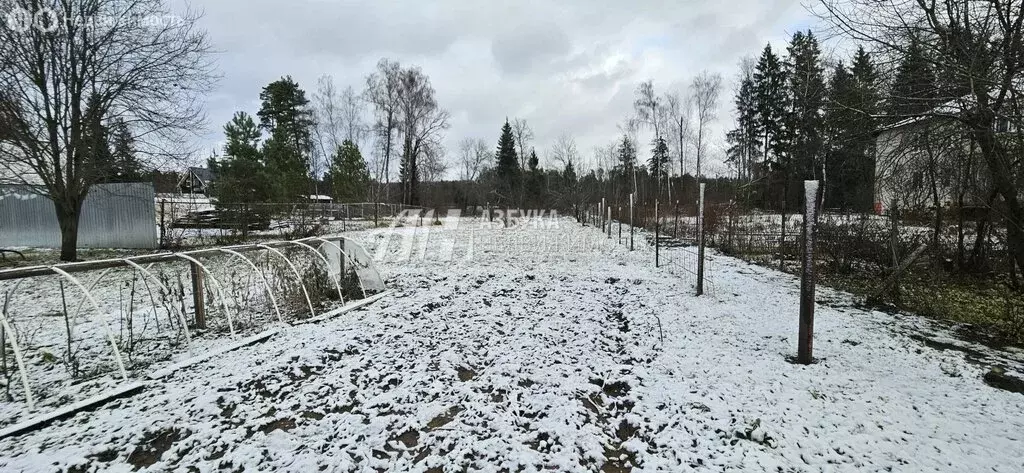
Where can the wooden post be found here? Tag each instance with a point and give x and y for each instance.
(631, 196)
(600, 210)
(700, 242)
(657, 240)
(805, 342)
(198, 295)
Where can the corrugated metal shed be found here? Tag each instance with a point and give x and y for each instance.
(120, 215)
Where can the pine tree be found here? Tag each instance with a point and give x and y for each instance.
(348, 174)
(507, 170)
(285, 114)
(243, 138)
(242, 176)
(807, 92)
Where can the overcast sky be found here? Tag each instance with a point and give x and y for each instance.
(567, 67)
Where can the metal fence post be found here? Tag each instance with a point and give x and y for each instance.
(700, 242)
(657, 239)
(600, 210)
(675, 226)
(609, 219)
(620, 224)
(163, 224)
(198, 295)
(805, 342)
(631, 196)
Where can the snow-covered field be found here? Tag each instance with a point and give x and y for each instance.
(550, 347)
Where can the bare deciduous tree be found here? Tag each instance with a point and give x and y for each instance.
(523, 135)
(327, 131)
(564, 152)
(648, 107)
(383, 92)
(706, 88)
(473, 156)
(352, 110)
(422, 122)
(68, 73)
(678, 111)
(434, 163)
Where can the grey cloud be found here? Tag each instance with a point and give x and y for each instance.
(528, 47)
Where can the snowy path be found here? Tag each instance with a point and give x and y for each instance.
(544, 352)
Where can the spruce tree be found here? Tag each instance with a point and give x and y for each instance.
(745, 140)
(96, 137)
(127, 165)
(770, 93)
(507, 170)
(659, 160)
(864, 124)
(807, 93)
(841, 149)
(914, 89)
(534, 180)
(627, 163)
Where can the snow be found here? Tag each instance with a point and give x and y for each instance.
(551, 347)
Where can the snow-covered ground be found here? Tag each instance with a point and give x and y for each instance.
(551, 347)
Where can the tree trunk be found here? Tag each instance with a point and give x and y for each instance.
(68, 214)
(1003, 179)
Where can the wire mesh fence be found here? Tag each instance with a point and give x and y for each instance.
(187, 222)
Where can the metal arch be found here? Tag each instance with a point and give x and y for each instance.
(297, 275)
(327, 266)
(18, 359)
(372, 265)
(81, 302)
(181, 315)
(351, 260)
(216, 284)
(259, 272)
(345, 255)
(103, 323)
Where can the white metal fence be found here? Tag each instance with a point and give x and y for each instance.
(117, 215)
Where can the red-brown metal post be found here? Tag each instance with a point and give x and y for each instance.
(198, 295)
(805, 346)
